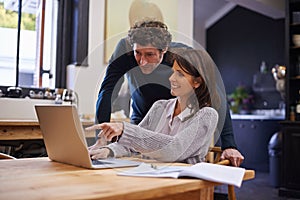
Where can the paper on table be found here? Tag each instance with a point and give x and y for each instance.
(147, 170)
(206, 171)
(216, 173)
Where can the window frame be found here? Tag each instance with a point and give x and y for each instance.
(74, 51)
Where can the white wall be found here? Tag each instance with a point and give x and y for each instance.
(86, 80)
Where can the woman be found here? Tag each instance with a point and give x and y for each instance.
(179, 129)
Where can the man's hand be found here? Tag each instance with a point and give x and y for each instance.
(99, 153)
(233, 155)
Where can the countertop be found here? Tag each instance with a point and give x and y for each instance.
(270, 114)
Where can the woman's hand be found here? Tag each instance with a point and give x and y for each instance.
(108, 130)
(99, 143)
(99, 153)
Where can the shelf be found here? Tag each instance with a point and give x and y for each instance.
(295, 25)
(291, 129)
(293, 2)
(295, 47)
(288, 122)
(295, 78)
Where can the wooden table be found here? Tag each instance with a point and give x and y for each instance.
(26, 130)
(30, 130)
(20, 130)
(40, 178)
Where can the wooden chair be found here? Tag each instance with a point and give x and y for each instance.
(6, 156)
(214, 156)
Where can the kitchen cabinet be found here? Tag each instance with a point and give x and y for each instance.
(252, 138)
(292, 79)
(291, 164)
(291, 129)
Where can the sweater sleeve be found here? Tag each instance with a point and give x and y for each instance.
(119, 150)
(191, 140)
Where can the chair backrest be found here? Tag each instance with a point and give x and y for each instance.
(214, 156)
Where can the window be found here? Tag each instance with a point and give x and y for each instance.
(37, 45)
(53, 35)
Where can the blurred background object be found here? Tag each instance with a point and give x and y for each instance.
(279, 76)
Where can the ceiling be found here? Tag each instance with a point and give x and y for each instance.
(211, 11)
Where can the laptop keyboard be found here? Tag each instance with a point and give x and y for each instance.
(100, 162)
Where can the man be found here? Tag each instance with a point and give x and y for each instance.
(149, 47)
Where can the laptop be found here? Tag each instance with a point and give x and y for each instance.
(65, 140)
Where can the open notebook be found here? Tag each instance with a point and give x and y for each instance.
(65, 140)
(206, 171)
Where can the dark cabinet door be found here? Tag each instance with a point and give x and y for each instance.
(291, 153)
(252, 138)
(290, 186)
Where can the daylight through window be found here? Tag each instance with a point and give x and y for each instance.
(37, 53)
